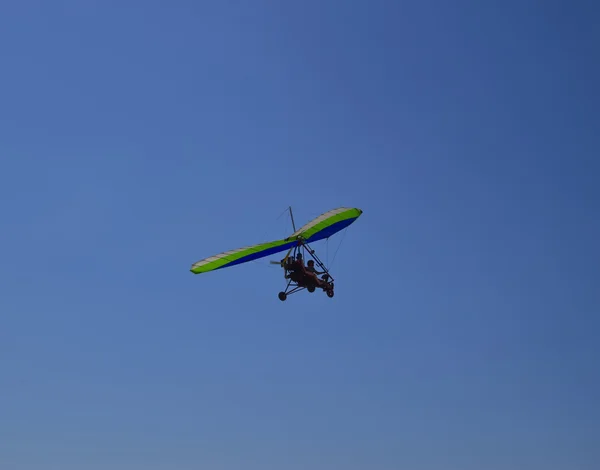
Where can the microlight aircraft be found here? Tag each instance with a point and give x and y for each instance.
(297, 275)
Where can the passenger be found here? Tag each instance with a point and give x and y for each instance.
(299, 260)
(296, 268)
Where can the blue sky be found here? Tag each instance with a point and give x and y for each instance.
(139, 137)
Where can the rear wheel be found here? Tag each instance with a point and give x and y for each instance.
(282, 296)
(310, 288)
(330, 293)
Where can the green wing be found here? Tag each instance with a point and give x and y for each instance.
(321, 227)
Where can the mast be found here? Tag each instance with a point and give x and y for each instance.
(292, 217)
(296, 248)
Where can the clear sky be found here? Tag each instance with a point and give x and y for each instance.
(137, 137)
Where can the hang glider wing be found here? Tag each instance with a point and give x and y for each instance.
(319, 228)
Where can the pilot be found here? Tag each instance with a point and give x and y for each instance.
(311, 267)
(311, 272)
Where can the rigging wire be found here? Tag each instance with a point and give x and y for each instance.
(338, 248)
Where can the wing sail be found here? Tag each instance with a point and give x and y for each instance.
(327, 224)
(319, 228)
(240, 255)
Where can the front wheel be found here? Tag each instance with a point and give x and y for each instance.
(330, 293)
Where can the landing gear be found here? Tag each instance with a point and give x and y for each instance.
(298, 286)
